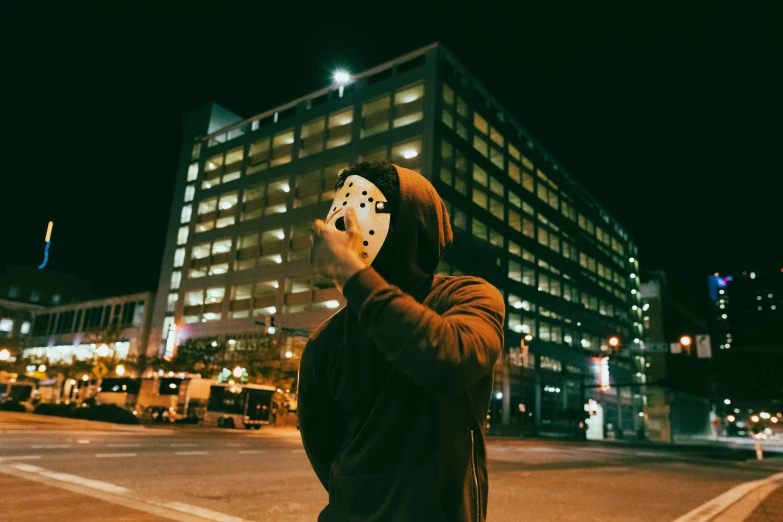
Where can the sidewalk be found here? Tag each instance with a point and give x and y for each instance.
(12, 421)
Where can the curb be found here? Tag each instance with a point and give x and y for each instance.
(735, 504)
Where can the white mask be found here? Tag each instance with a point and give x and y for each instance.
(372, 213)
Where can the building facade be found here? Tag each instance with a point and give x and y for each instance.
(247, 191)
(747, 335)
(114, 327)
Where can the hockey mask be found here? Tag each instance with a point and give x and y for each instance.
(372, 213)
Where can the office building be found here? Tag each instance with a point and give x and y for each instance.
(247, 191)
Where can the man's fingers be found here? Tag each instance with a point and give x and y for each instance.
(318, 226)
(351, 225)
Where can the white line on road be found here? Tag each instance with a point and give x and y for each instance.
(114, 455)
(191, 453)
(183, 445)
(50, 446)
(21, 457)
(117, 495)
(124, 445)
(73, 479)
(721, 503)
(248, 452)
(83, 441)
(236, 445)
(297, 451)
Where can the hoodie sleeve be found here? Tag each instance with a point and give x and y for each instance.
(449, 351)
(320, 419)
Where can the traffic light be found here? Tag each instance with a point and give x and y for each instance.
(269, 324)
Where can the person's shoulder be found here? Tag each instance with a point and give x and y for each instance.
(467, 287)
(328, 329)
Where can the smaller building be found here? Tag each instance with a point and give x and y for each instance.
(116, 327)
(27, 284)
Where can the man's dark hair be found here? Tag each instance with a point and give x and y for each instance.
(382, 174)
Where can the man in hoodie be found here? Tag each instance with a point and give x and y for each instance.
(394, 388)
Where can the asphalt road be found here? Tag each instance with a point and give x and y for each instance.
(195, 473)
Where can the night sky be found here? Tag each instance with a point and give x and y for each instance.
(672, 118)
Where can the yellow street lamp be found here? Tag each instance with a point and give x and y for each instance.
(755, 418)
(614, 341)
(685, 340)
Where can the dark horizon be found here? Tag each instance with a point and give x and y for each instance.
(666, 120)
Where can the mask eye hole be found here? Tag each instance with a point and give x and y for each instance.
(340, 224)
(362, 205)
(365, 243)
(372, 232)
(364, 193)
(370, 200)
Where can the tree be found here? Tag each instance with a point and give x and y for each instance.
(198, 356)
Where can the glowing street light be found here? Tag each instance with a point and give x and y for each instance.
(120, 369)
(42, 368)
(528, 337)
(237, 372)
(102, 350)
(289, 354)
(614, 341)
(755, 418)
(731, 418)
(341, 77)
(685, 340)
(764, 415)
(4, 355)
(726, 401)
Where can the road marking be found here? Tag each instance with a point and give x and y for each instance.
(710, 510)
(236, 445)
(297, 451)
(183, 445)
(113, 455)
(73, 479)
(124, 445)
(248, 452)
(116, 495)
(21, 457)
(83, 441)
(28, 467)
(50, 446)
(191, 453)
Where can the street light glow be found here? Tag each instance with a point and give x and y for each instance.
(685, 340)
(764, 415)
(102, 350)
(341, 77)
(289, 354)
(755, 418)
(528, 337)
(726, 401)
(731, 418)
(120, 369)
(4, 355)
(42, 368)
(237, 372)
(614, 341)
(499, 395)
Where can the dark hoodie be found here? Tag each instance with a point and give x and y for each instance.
(394, 388)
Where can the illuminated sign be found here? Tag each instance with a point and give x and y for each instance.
(48, 240)
(604, 373)
(171, 341)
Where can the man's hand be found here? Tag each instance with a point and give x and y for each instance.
(336, 254)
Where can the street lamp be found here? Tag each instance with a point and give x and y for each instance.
(726, 401)
(731, 418)
(102, 350)
(237, 372)
(5, 354)
(42, 368)
(289, 354)
(755, 418)
(685, 340)
(341, 77)
(528, 338)
(120, 369)
(614, 342)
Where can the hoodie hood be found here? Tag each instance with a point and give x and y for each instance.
(421, 235)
